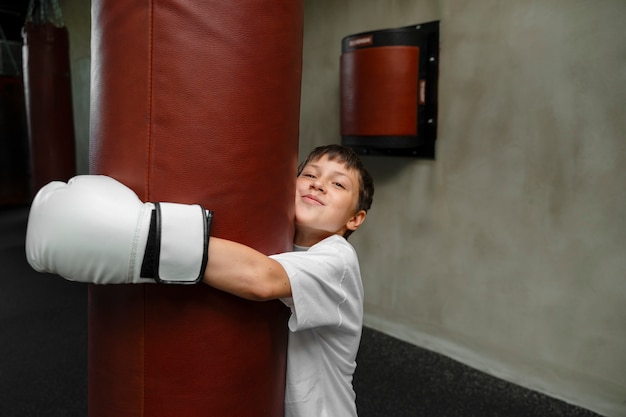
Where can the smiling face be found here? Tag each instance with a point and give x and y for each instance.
(326, 199)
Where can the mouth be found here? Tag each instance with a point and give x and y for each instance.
(312, 199)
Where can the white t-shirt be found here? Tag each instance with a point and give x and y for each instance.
(325, 324)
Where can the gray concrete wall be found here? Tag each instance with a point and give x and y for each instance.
(77, 19)
(508, 252)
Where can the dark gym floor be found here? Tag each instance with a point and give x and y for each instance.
(43, 357)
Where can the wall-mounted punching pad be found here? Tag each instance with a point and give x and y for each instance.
(195, 101)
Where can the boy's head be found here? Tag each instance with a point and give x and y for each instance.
(350, 161)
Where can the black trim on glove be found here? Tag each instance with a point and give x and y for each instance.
(150, 264)
(150, 257)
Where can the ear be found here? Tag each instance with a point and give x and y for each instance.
(356, 220)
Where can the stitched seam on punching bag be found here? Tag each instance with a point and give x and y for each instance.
(149, 115)
(147, 196)
(143, 353)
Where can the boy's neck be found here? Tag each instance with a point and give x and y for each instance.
(308, 239)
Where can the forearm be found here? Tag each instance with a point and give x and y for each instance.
(244, 272)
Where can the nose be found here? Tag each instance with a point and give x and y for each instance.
(317, 184)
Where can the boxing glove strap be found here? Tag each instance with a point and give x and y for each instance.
(177, 247)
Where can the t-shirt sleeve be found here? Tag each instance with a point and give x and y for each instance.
(320, 280)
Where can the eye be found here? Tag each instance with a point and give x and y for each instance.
(340, 185)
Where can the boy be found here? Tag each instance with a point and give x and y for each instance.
(320, 281)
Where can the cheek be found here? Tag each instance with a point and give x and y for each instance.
(300, 185)
(298, 197)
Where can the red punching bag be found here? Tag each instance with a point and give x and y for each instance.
(48, 93)
(195, 101)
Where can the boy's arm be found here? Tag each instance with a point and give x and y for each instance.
(245, 272)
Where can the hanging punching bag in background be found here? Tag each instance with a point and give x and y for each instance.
(48, 94)
(195, 101)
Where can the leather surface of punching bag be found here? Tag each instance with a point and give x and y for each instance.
(195, 102)
(48, 94)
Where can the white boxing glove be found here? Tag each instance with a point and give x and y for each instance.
(95, 229)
